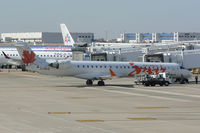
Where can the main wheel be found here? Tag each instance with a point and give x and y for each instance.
(3, 66)
(153, 84)
(146, 84)
(187, 81)
(9, 66)
(166, 83)
(89, 82)
(161, 84)
(23, 68)
(101, 83)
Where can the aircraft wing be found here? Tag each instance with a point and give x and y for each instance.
(96, 76)
(12, 61)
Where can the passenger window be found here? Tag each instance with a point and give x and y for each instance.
(96, 66)
(91, 66)
(78, 66)
(104, 66)
(100, 66)
(83, 66)
(87, 66)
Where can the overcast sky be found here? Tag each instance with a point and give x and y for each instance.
(100, 16)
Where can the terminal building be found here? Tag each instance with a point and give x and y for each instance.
(45, 37)
(159, 37)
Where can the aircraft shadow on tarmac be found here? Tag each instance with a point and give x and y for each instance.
(83, 86)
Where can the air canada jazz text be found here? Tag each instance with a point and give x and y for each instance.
(149, 69)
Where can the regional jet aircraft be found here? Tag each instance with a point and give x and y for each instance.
(97, 70)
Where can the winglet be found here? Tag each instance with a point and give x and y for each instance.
(112, 73)
(5, 55)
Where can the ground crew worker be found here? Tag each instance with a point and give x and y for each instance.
(196, 79)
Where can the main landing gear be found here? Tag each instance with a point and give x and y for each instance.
(182, 81)
(89, 82)
(101, 83)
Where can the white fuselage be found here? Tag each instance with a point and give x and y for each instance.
(99, 70)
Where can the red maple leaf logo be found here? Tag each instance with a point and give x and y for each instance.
(28, 57)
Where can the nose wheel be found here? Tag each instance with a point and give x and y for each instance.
(89, 82)
(101, 83)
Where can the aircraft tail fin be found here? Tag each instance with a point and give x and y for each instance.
(67, 38)
(7, 57)
(27, 55)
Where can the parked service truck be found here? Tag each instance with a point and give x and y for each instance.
(152, 80)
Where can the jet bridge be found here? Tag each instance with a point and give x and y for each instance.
(78, 53)
(154, 58)
(99, 57)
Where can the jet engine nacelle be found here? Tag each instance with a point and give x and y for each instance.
(54, 65)
(60, 65)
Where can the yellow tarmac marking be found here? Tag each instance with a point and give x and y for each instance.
(90, 120)
(142, 118)
(53, 113)
(152, 107)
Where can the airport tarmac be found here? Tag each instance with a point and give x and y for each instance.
(34, 103)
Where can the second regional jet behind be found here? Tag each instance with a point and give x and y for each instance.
(98, 70)
(10, 56)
